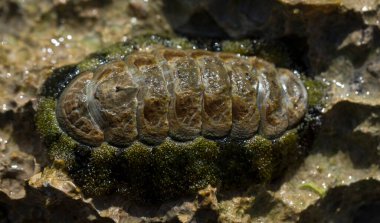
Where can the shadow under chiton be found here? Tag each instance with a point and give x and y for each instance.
(157, 122)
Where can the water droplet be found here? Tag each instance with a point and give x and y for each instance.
(55, 42)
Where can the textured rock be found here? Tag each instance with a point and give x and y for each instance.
(358, 202)
(335, 42)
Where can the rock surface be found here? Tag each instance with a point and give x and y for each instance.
(337, 42)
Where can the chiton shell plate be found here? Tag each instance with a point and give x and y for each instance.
(182, 94)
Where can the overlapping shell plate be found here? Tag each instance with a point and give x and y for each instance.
(160, 122)
(182, 94)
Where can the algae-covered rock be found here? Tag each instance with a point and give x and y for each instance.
(334, 45)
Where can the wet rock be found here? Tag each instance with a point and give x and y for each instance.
(354, 80)
(207, 205)
(21, 157)
(254, 206)
(358, 202)
(335, 41)
(352, 128)
(242, 18)
(326, 26)
(212, 19)
(37, 36)
(48, 205)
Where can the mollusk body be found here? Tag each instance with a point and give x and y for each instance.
(159, 93)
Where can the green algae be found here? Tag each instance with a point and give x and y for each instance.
(46, 121)
(169, 161)
(103, 154)
(90, 63)
(202, 169)
(275, 51)
(181, 43)
(316, 90)
(288, 147)
(262, 157)
(166, 41)
(135, 172)
(242, 163)
(314, 188)
(175, 169)
(244, 47)
(113, 52)
(64, 151)
(97, 176)
(236, 165)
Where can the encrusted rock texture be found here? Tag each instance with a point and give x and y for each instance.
(334, 44)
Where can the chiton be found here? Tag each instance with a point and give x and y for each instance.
(181, 94)
(149, 120)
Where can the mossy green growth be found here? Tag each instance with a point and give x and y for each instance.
(262, 155)
(151, 40)
(46, 121)
(243, 47)
(180, 43)
(286, 151)
(97, 176)
(114, 52)
(274, 54)
(118, 51)
(135, 172)
(103, 155)
(273, 51)
(64, 150)
(242, 163)
(169, 161)
(314, 188)
(173, 169)
(202, 168)
(236, 165)
(90, 63)
(148, 40)
(316, 91)
(183, 168)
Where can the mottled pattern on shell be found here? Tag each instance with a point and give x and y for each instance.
(159, 93)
